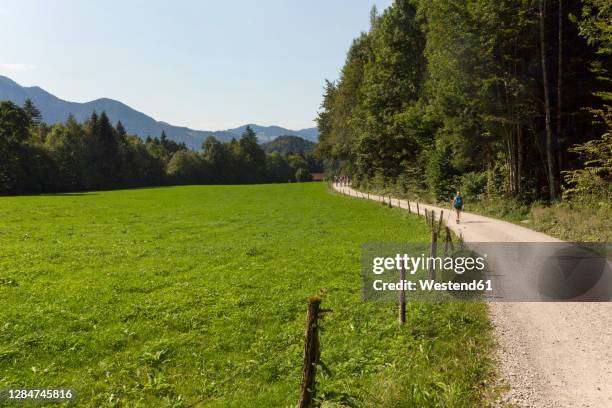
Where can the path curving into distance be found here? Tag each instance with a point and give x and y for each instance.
(550, 354)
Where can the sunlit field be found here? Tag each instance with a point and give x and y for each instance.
(196, 296)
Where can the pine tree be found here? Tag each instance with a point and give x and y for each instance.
(120, 129)
(107, 152)
(32, 110)
(14, 125)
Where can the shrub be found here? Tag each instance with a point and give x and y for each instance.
(440, 174)
(473, 185)
(592, 182)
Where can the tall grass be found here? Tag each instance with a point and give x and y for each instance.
(574, 222)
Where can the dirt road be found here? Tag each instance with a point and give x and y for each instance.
(550, 354)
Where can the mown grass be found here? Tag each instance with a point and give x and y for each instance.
(195, 296)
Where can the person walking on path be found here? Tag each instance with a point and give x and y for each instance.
(458, 205)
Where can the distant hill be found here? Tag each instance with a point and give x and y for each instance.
(56, 110)
(289, 144)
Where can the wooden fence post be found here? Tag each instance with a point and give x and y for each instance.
(433, 254)
(448, 241)
(418, 213)
(440, 221)
(311, 353)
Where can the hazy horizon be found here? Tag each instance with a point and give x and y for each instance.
(212, 66)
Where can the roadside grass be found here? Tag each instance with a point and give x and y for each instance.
(588, 223)
(567, 220)
(196, 296)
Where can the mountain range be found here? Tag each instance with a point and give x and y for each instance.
(55, 110)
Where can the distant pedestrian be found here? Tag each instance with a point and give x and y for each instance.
(458, 205)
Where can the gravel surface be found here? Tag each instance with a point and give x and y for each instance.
(549, 354)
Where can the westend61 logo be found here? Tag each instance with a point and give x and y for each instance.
(502, 271)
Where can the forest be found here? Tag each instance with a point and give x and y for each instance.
(503, 100)
(96, 155)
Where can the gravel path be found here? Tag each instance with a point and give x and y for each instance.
(550, 354)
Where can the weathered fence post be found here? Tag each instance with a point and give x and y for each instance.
(311, 353)
(433, 254)
(402, 298)
(417, 203)
(440, 221)
(448, 241)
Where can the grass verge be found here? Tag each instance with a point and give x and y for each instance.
(568, 221)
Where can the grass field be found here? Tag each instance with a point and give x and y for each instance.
(195, 296)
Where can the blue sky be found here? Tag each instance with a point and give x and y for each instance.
(203, 64)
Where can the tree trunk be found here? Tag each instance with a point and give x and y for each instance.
(519, 148)
(512, 151)
(550, 145)
(559, 84)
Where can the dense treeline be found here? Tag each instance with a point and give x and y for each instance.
(287, 144)
(96, 155)
(494, 97)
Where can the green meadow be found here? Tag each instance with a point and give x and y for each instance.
(196, 296)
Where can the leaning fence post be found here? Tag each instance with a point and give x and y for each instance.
(311, 353)
(433, 254)
(418, 213)
(440, 221)
(448, 241)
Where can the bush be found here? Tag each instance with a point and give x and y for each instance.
(473, 185)
(440, 174)
(593, 181)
